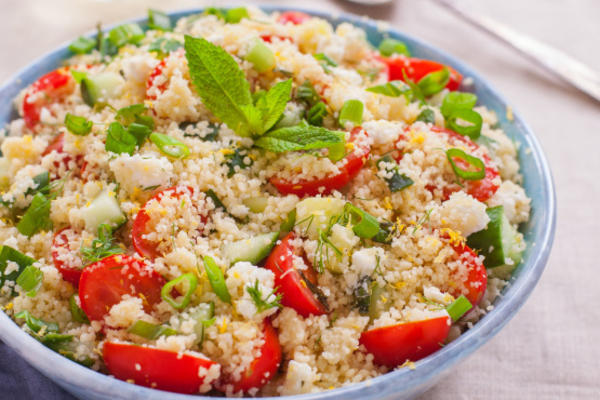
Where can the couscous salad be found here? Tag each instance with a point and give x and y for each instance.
(240, 203)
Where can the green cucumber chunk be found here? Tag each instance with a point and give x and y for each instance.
(101, 87)
(253, 250)
(314, 214)
(104, 209)
(499, 242)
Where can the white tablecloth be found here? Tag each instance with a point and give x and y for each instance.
(551, 349)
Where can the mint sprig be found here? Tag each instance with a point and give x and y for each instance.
(224, 90)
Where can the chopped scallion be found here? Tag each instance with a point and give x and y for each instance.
(216, 279)
(82, 45)
(352, 111)
(466, 161)
(455, 100)
(125, 34)
(37, 216)
(187, 282)
(427, 116)
(158, 20)
(150, 331)
(458, 308)
(31, 280)
(169, 145)
(388, 46)
(36, 324)
(287, 225)
(9, 254)
(392, 89)
(316, 113)
(79, 126)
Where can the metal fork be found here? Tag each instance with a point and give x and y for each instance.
(553, 60)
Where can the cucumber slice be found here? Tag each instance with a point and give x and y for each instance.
(104, 209)
(256, 204)
(101, 87)
(252, 250)
(314, 214)
(499, 242)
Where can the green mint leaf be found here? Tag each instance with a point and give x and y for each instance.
(119, 140)
(300, 137)
(9, 254)
(427, 116)
(125, 34)
(163, 46)
(127, 115)
(273, 103)
(77, 125)
(220, 83)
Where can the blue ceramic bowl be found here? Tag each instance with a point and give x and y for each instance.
(401, 384)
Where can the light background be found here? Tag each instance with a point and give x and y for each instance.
(551, 349)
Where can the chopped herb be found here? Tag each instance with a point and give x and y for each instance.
(386, 232)
(140, 132)
(465, 122)
(76, 312)
(397, 181)
(422, 221)
(37, 216)
(103, 246)
(287, 225)
(307, 93)
(364, 224)
(352, 111)
(150, 331)
(41, 184)
(82, 45)
(388, 47)
(119, 140)
(235, 15)
(79, 126)
(427, 116)
(8, 254)
(316, 114)
(362, 294)
(163, 46)
(458, 308)
(263, 304)
(125, 34)
(392, 89)
(237, 159)
(457, 100)
(158, 20)
(325, 62)
(30, 280)
(434, 82)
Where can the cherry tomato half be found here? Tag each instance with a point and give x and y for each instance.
(351, 166)
(43, 92)
(262, 369)
(156, 368)
(145, 247)
(476, 282)
(57, 145)
(416, 69)
(394, 345)
(291, 285)
(103, 283)
(295, 17)
(62, 256)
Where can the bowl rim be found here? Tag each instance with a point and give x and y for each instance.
(67, 373)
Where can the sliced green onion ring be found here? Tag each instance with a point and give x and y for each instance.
(36, 324)
(456, 100)
(192, 284)
(472, 118)
(169, 145)
(150, 331)
(352, 111)
(82, 45)
(365, 225)
(473, 161)
(434, 82)
(216, 279)
(31, 280)
(458, 308)
(392, 89)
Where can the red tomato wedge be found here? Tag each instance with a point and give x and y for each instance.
(262, 369)
(103, 283)
(291, 285)
(61, 252)
(482, 189)
(394, 345)
(45, 91)
(349, 167)
(57, 145)
(144, 247)
(156, 368)
(476, 282)
(295, 17)
(416, 69)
